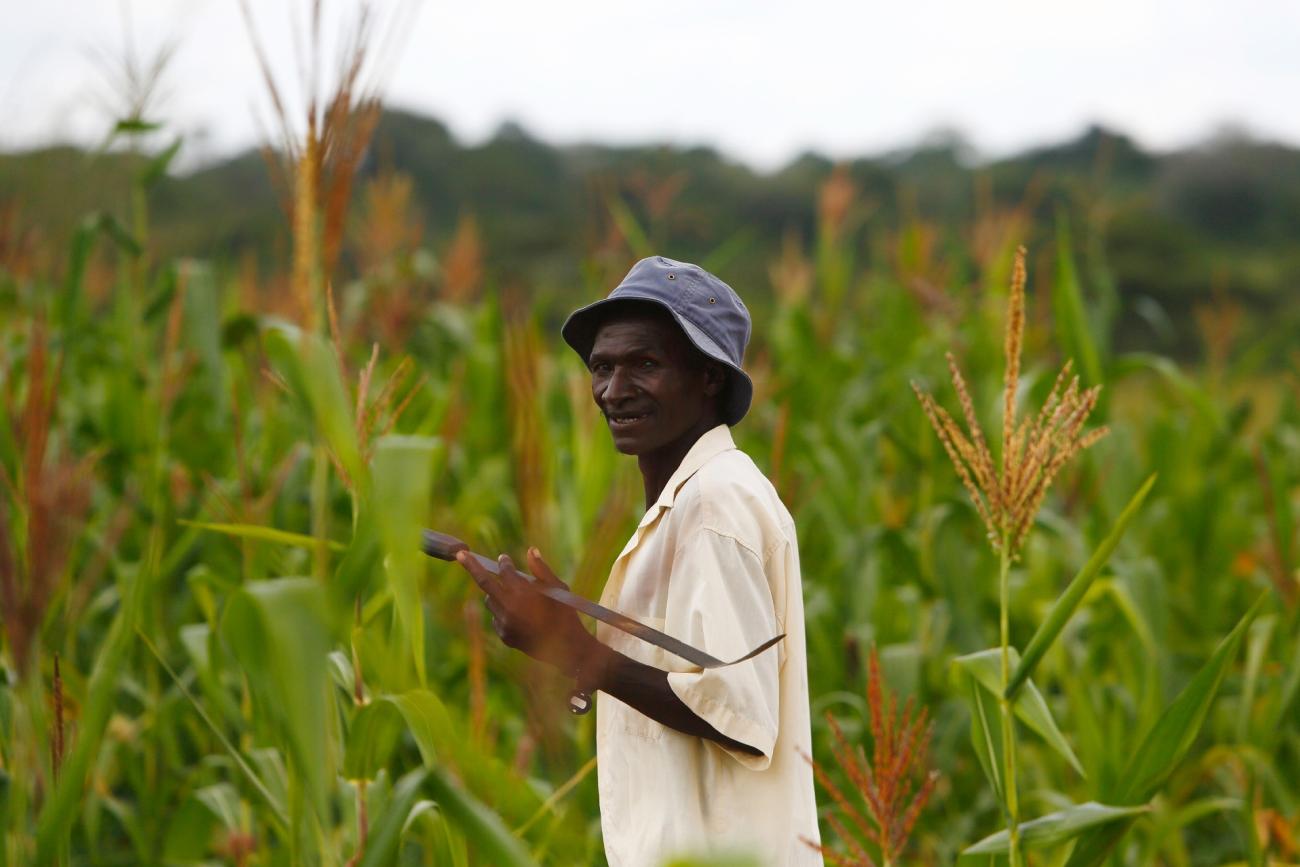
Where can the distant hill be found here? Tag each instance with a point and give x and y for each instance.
(1173, 227)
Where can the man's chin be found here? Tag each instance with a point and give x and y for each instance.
(627, 443)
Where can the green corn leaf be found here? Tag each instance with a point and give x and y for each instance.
(274, 800)
(1165, 745)
(135, 125)
(986, 733)
(157, 166)
(1281, 518)
(277, 632)
(84, 239)
(1029, 705)
(1055, 828)
(203, 335)
(1073, 329)
(59, 811)
(374, 735)
(1257, 645)
(403, 479)
(308, 364)
(359, 566)
(264, 534)
(1172, 735)
(1290, 688)
(483, 830)
(1068, 601)
(385, 840)
(453, 850)
(1174, 377)
(378, 725)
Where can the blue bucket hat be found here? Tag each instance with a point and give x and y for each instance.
(709, 311)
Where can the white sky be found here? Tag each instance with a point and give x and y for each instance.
(761, 80)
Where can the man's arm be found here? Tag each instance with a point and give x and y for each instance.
(646, 688)
(552, 633)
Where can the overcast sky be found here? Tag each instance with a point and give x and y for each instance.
(761, 80)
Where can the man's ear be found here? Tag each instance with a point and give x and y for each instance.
(715, 378)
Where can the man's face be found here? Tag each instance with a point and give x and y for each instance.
(650, 384)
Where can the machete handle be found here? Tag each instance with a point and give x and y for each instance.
(445, 546)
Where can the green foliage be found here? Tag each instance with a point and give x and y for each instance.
(1069, 600)
(402, 482)
(1056, 828)
(1165, 744)
(212, 700)
(1029, 705)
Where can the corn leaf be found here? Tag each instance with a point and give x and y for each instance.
(1072, 325)
(403, 479)
(1067, 602)
(985, 732)
(1290, 689)
(310, 368)
(59, 811)
(1257, 645)
(274, 800)
(1055, 828)
(156, 168)
(203, 335)
(985, 667)
(1172, 735)
(482, 827)
(263, 534)
(378, 725)
(277, 632)
(483, 830)
(1165, 745)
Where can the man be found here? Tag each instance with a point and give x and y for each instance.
(688, 760)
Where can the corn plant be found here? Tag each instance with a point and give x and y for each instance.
(1007, 497)
(894, 784)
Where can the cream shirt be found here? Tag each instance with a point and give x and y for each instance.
(715, 563)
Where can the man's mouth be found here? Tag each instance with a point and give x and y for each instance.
(626, 419)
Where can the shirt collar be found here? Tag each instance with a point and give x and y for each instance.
(711, 444)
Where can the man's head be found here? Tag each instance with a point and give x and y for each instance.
(654, 387)
(690, 329)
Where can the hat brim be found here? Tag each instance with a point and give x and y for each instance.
(579, 331)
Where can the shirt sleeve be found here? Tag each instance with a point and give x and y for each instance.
(720, 601)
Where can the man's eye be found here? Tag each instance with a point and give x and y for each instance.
(600, 367)
(647, 364)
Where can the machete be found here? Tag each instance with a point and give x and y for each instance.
(445, 547)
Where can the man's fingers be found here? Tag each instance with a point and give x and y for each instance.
(510, 577)
(541, 571)
(485, 580)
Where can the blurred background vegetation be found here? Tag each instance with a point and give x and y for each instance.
(223, 426)
(1177, 230)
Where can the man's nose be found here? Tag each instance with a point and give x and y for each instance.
(619, 385)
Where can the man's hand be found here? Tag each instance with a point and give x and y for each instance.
(525, 619)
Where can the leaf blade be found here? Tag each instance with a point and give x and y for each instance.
(1029, 705)
(1064, 606)
(1056, 828)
